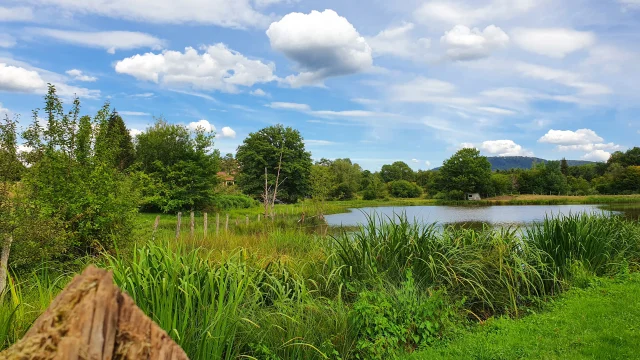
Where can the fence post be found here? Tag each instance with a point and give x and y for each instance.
(226, 224)
(4, 261)
(178, 225)
(193, 225)
(205, 225)
(217, 224)
(258, 217)
(155, 227)
(247, 219)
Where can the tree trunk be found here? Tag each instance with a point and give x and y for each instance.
(4, 262)
(93, 319)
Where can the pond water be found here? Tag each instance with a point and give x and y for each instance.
(515, 215)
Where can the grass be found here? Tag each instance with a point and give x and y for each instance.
(600, 322)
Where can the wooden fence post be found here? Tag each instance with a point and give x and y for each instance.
(155, 227)
(4, 261)
(226, 224)
(217, 224)
(192, 228)
(205, 225)
(258, 217)
(246, 220)
(178, 225)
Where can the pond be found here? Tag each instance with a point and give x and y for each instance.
(513, 215)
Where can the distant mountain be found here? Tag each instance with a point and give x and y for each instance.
(522, 162)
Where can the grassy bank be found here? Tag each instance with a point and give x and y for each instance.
(597, 323)
(274, 290)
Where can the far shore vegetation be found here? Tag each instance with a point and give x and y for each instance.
(269, 279)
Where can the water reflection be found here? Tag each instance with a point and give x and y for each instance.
(474, 217)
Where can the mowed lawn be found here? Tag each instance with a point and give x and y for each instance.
(601, 322)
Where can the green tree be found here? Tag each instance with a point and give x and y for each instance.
(179, 169)
(397, 171)
(117, 133)
(564, 167)
(466, 171)
(501, 183)
(229, 164)
(11, 168)
(404, 189)
(346, 172)
(274, 149)
(321, 181)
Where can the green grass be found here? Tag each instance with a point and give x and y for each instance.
(601, 322)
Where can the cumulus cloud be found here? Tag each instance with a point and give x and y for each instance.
(202, 124)
(568, 137)
(19, 13)
(22, 78)
(80, 76)
(597, 155)
(428, 163)
(466, 145)
(415, 161)
(135, 132)
(108, 40)
(217, 68)
(553, 42)
(234, 14)
(259, 92)
(322, 44)
(463, 43)
(456, 12)
(504, 148)
(397, 41)
(227, 132)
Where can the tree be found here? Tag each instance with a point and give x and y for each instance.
(274, 150)
(346, 172)
(629, 158)
(554, 181)
(118, 134)
(179, 169)
(466, 171)
(11, 167)
(404, 189)
(321, 181)
(564, 167)
(396, 171)
(229, 164)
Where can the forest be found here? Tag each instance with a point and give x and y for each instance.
(79, 189)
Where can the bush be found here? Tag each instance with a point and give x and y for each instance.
(342, 192)
(404, 189)
(227, 202)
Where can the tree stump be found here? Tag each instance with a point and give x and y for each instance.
(92, 319)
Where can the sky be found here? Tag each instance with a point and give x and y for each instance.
(377, 81)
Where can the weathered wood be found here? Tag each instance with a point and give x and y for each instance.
(217, 224)
(258, 217)
(4, 261)
(205, 225)
(246, 220)
(178, 225)
(192, 227)
(155, 227)
(93, 319)
(226, 224)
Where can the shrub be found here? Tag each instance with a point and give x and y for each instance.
(227, 202)
(342, 192)
(404, 189)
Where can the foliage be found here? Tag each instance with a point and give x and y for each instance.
(342, 191)
(320, 180)
(262, 150)
(397, 171)
(117, 134)
(178, 168)
(11, 168)
(466, 171)
(404, 189)
(393, 319)
(227, 202)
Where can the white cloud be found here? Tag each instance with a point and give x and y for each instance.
(218, 68)
(144, 95)
(289, 106)
(597, 155)
(108, 40)
(452, 12)
(322, 44)
(630, 4)
(259, 92)
(19, 13)
(496, 110)
(504, 148)
(464, 43)
(7, 41)
(466, 145)
(80, 76)
(568, 137)
(590, 147)
(364, 101)
(562, 77)
(397, 41)
(553, 42)
(227, 132)
(415, 161)
(203, 124)
(4, 112)
(133, 113)
(234, 14)
(425, 90)
(135, 132)
(428, 163)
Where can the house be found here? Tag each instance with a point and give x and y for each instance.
(473, 196)
(226, 179)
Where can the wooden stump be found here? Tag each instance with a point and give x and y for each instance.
(92, 319)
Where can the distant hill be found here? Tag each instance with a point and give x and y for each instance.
(522, 162)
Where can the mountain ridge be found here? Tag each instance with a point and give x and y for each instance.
(523, 162)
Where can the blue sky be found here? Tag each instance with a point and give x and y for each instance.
(376, 81)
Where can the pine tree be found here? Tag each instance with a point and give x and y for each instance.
(564, 167)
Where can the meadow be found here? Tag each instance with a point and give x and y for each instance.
(285, 289)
